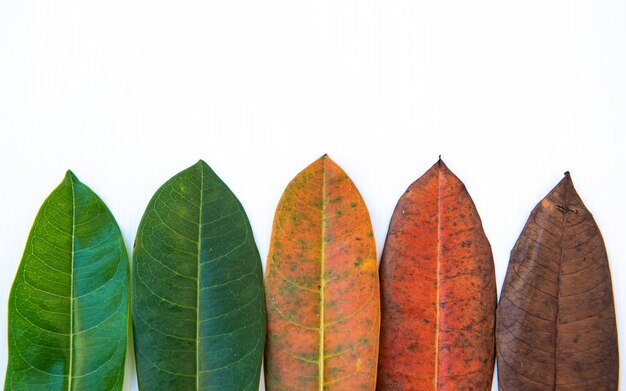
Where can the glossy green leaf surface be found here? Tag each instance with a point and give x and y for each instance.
(68, 308)
(198, 300)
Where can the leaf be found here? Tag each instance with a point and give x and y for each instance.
(198, 301)
(438, 291)
(556, 319)
(322, 286)
(68, 308)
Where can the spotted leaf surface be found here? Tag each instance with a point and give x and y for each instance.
(438, 291)
(322, 286)
(556, 319)
(198, 301)
(68, 307)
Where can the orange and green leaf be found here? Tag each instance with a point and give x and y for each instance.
(438, 291)
(322, 295)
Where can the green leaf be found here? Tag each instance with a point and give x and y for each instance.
(198, 300)
(68, 308)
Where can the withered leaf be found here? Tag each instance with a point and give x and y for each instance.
(556, 319)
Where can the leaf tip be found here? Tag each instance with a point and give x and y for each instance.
(564, 191)
(440, 164)
(70, 176)
(325, 159)
(201, 165)
(567, 179)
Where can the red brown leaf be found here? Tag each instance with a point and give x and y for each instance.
(438, 291)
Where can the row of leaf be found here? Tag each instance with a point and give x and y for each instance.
(200, 304)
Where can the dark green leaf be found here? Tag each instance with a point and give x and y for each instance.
(198, 301)
(68, 309)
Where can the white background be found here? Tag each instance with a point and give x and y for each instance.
(128, 93)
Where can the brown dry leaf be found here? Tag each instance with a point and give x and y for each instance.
(556, 319)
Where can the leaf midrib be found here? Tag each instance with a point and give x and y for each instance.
(71, 359)
(558, 287)
(437, 279)
(322, 281)
(198, 276)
